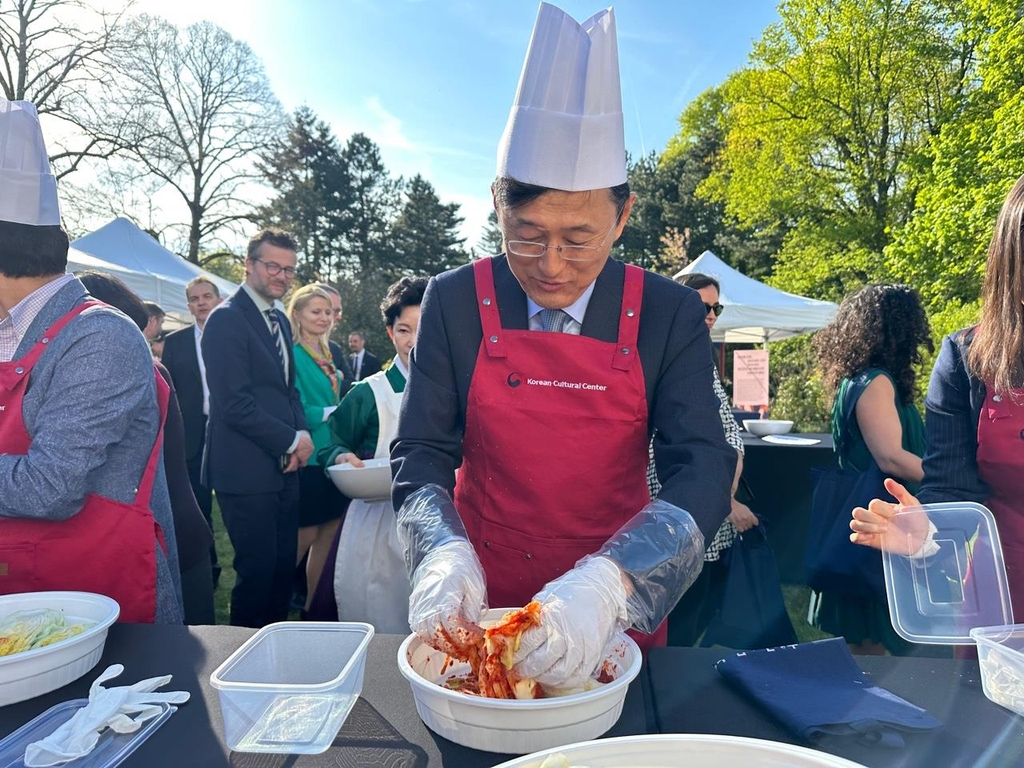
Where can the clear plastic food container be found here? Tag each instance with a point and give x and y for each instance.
(1001, 658)
(289, 688)
(957, 593)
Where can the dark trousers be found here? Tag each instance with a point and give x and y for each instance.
(264, 529)
(197, 593)
(204, 497)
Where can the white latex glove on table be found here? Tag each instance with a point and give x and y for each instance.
(580, 613)
(123, 709)
(448, 593)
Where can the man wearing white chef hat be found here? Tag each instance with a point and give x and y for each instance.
(542, 373)
(81, 476)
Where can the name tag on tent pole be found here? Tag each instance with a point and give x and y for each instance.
(750, 377)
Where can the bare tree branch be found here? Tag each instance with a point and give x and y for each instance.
(195, 111)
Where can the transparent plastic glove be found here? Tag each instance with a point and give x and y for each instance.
(580, 613)
(660, 552)
(426, 520)
(123, 709)
(449, 595)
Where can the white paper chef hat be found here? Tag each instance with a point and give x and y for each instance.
(565, 128)
(28, 189)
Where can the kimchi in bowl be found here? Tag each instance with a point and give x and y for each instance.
(514, 726)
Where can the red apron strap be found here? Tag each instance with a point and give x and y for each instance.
(145, 492)
(487, 305)
(26, 363)
(629, 318)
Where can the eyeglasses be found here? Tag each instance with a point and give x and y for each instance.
(530, 249)
(716, 308)
(274, 269)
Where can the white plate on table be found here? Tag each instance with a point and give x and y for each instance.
(690, 750)
(790, 440)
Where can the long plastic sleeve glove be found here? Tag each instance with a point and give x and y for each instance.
(580, 613)
(449, 596)
(427, 520)
(660, 552)
(123, 709)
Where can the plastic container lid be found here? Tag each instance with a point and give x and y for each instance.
(958, 583)
(111, 749)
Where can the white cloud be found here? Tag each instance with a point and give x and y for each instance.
(474, 210)
(387, 130)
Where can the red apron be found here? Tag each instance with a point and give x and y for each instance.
(1001, 465)
(555, 449)
(108, 547)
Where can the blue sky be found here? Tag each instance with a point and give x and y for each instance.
(431, 81)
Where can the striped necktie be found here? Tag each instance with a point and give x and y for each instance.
(554, 320)
(275, 331)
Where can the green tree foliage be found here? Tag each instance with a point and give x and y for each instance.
(671, 223)
(491, 239)
(968, 168)
(640, 243)
(827, 125)
(306, 170)
(426, 233)
(375, 202)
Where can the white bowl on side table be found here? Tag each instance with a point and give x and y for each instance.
(762, 427)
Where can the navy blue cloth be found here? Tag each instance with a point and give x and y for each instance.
(817, 691)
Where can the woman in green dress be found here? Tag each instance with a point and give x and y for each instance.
(321, 505)
(867, 357)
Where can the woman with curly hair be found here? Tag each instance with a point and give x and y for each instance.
(867, 357)
(975, 413)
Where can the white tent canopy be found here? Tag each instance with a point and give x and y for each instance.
(755, 312)
(156, 274)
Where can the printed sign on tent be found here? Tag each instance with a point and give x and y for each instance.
(750, 377)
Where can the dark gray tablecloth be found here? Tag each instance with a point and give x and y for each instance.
(382, 731)
(690, 696)
(779, 477)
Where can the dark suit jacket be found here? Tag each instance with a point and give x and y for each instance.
(695, 464)
(953, 410)
(371, 365)
(254, 411)
(340, 359)
(180, 359)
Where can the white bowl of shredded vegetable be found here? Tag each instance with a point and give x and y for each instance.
(49, 639)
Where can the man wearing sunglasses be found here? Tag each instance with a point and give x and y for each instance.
(539, 374)
(257, 435)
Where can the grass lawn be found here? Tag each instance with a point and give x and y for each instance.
(225, 555)
(796, 596)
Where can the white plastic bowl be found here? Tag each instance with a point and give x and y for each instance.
(371, 482)
(510, 726)
(289, 687)
(692, 750)
(762, 427)
(29, 674)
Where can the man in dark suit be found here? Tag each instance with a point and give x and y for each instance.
(540, 375)
(257, 436)
(364, 363)
(183, 359)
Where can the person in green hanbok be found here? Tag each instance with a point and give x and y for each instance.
(371, 582)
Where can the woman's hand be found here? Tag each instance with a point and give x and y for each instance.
(878, 526)
(348, 458)
(742, 517)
